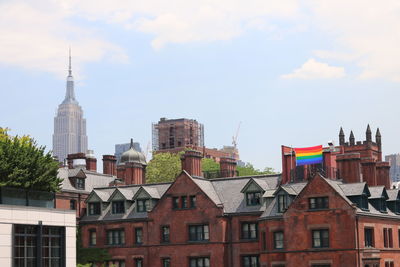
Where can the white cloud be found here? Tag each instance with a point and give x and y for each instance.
(313, 69)
(37, 37)
(366, 31)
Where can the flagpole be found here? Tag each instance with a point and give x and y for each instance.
(291, 162)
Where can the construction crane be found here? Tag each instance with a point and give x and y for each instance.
(235, 137)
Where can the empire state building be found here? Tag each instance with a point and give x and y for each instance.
(69, 125)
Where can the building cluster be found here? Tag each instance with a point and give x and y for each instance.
(343, 212)
(340, 213)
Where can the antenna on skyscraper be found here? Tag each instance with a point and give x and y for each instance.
(70, 68)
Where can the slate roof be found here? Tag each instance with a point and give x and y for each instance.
(376, 191)
(352, 189)
(92, 180)
(392, 194)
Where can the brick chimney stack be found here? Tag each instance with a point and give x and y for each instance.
(77, 160)
(191, 162)
(349, 166)
(91, 161)
(227, 167)
(110, 165)
(383, 176)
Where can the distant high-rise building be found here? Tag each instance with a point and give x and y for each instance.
(394, 161)
(69, 125)
(177, 133)
(121, 148)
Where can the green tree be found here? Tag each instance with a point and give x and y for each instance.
(24, 164)
(208, 165)
(163, 167)
(249, 170)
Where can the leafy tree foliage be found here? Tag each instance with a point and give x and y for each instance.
(249, 170)
(163, 167)
(209, 165)
(24, 164)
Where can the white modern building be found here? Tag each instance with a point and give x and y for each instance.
(69, 125)
(35, 236)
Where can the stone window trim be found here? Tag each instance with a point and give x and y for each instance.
(318, 226)
(316, 262)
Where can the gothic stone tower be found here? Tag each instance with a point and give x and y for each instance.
(69, 125)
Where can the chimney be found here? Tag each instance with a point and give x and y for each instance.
(77, 160)
(91, 161)
(349, 167)
(227, 167)
(191, 162)
(382, 174)
(368, 166)
(134, 173)
(110, 165)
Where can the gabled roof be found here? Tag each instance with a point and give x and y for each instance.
(378, 192)
(393, 194)
(79, 173)
(258, 182)
(292, 189)
(207, 187)
(104, 194)
(355, 189)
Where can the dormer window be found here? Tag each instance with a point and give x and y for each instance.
(94, 208)
(143, 205)
(253, 198)
(383, 205)
(80, 183)
(364, 202)
(118, 207)
(282, 203)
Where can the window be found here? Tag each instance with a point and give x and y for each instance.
(165, 234)
(138, 262)
(199, 262)
(193, 201)
(52, 246)
(282, 206)
(369, 237)
(387, 238)
(389, 264)
(80, 183)
(143, 205)
(253, 198)
(138, 236)
(92, 237)
(94, 208)
(321, 265)
(175, 202)
(364, 202)
(382, 205)
(25, 244)
(251, 261)
(198, 233)
(118, 207)
(249, 230)
(115, 237)
(184, 202)
(115, 263)
(320, 238)
(278, 240)
(25, 237)
(166, 262)
(316, 203)
(72, 204)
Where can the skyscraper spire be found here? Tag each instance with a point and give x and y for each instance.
(69, 69)
(70, 94)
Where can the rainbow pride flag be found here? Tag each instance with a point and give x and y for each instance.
(308, 155)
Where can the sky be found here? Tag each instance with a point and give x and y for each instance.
(292, 72)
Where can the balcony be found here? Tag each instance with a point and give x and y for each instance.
(306, 172)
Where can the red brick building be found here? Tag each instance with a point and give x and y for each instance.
(262, 221)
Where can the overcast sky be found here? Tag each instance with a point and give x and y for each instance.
(292, 71)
